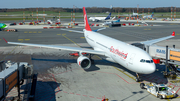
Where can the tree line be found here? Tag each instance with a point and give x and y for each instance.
(95, 9)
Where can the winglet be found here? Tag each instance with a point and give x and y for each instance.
(87, 27)
(173, 33)
(5, 40)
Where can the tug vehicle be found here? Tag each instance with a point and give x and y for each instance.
(161, 91)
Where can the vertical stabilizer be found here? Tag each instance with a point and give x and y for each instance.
(108, 17)
(86, 24)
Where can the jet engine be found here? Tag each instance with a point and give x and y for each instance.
(84, 62)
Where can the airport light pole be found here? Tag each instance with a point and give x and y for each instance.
(171, 12)
(137, 13)
(37, 14)
(44, 15)
(175, 13)
(23, 17)
(32, 16)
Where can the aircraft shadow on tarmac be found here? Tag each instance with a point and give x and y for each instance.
(156, 77)
(133, 94)
(45, 90)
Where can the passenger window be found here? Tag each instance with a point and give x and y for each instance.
(147, 61)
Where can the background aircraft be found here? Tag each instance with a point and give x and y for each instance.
(3, 26)
(148, 16)
(100, 18)
(129, 56)
(111, 22)
(136, 14)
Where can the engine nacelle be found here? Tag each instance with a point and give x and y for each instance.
(84, 62)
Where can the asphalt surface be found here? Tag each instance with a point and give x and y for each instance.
(61, 79)
(55, 36)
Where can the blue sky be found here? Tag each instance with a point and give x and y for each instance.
(88, 3)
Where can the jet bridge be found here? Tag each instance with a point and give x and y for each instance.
(169, 56)
(11, 75)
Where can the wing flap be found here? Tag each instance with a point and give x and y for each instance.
(150, 42)
(61, 47)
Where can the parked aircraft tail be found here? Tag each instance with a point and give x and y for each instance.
(108, 17)
(86, 24)
(152, 15)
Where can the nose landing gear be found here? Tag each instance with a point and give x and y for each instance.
(137, 78)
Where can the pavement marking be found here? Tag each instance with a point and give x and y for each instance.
(58, 34)
(0, 39)
(70, 40)
(34, 32)
(20, 39)
(26, 39)
(25, 32)
(82, 37)
(173, 24)
(30, 32)
(39, 32)
(177, 34)
(56, 82)
(124, 73)
(147, 29)
(10, 52)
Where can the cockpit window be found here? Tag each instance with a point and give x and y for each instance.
(147, 61)
(142, 60)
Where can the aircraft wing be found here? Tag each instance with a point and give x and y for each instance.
(73, 31)
(60, 47)
(150, 42)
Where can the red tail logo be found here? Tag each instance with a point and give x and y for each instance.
(173, 34)
(86, 24)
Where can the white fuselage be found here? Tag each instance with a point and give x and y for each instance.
(126, 55)
(97, 18)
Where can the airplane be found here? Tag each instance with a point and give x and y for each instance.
(96, 19)
(111, 22)
(148, 16)
(135, 14)
(3, 26)
(133, 58)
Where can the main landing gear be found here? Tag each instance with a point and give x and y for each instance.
(138, 78)
(92, 61)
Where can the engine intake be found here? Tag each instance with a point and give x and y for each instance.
(84, 62)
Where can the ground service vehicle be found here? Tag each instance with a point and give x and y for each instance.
(159, 90)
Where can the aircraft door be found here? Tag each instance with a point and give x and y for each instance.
(131, 58)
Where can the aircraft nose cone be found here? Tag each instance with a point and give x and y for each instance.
(152, 68)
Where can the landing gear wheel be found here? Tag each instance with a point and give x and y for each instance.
(92, 61)
(161, 97)
(158, 96)
(142, 85)
(137, 79)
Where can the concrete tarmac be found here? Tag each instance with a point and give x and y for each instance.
(61, 79)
